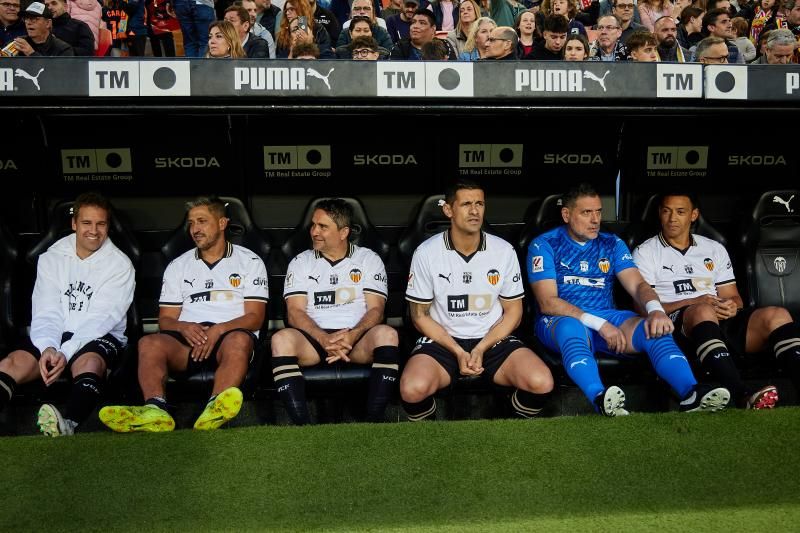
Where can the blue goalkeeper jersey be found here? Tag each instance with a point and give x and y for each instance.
(584, 274)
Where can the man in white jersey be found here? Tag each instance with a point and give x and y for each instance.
(465, 296)
(212, 305)
(84, 287)
(694, 279)
(335, 295)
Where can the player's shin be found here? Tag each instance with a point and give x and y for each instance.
(291, 388)
(382, 381)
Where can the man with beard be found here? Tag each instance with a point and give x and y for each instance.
(72, 31)
(668, 47)
(212, 305)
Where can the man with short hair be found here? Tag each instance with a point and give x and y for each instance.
(256, 28)
(694, 279)
(11, 25)
(555, 30)
(501, 44)
(74, 32)
(254, 46)
(423, 30)
(212, 306)
(465, 298)
(712, 51)
(266, 14)
(717, 23)
(624, 9)
(364, 48)
(84, 287)
(642, 47)
(399, 25)
(335, 296)
(40, 40)
(669, 49)
(572, 270)
(780, 48)
(609, 45)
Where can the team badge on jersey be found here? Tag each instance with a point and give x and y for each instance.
(289, 280)
(334, 280)
(584, 266)
(709, 263)
(355, 275)
(235, 280)
(604, 265)
(466, 277)
(493, 276)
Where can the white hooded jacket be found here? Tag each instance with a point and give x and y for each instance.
(88, 297)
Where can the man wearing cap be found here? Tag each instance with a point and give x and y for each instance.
(11, 25)
(74, 32)
(40, 40)
(399, 26)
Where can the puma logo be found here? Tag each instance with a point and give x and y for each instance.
(563, 264)
(316, 280)
(19, 73)
(668, 268)
(576, 363)
(447, 277)
(775, 200)
(314, 74)
(593, 77)
(676, 356)
(190, 283)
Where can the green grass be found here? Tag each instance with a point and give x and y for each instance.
(731, 471)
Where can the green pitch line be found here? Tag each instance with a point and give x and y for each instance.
(730, 471)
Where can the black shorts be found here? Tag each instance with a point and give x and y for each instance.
(316, 345)
(493, 358)
(734, 331)
(209, 364)
(107, 347)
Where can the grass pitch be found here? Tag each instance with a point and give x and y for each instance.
(730, 471)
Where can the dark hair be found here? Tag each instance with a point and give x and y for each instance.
(577, 37)
(580, 190)
(241, 12)
(360, 18)
(91, 199)
(429, 14)
(434, 50)
(461, 184)
(305, 49)
(710, 19)
(212, 203)
(364, 41)
(690, 195)
(555, 24)
(340, 211)
(639, 39)
(689, 12)
(741, 26)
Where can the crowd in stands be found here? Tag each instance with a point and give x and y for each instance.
(760, 32)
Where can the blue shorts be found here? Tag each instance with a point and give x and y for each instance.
(547, 325)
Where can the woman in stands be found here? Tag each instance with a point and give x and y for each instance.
(476, 40)
(652, 10)
(293, 28)
(565, 8)
(690, 28)
(223, 41)
(765, 13)
(468, 13)
(576, 48)
(526, 29)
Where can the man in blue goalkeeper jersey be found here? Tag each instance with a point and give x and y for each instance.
(571, 270)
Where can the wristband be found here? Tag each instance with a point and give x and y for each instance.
(654, 305)
(592, 321)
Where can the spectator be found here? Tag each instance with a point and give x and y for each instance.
(468, 12)
(766, 13)
(717, 23)
(266, 15)
(223, 41)
(526, 31)
(576, 48)
(253, 46)
(690, 28)
(304, 50)
(710, 51)
(572, 270)
(195, 18)
(395, 7)
(501, 44)
(609, 46)
(475, 47)
(160, 25)
(642, 46)
(565, 8)
(206, 321)
(779, 48)
(446, 14)
(398, 26)
(652, 10)
(360, 26)
(84, 287)
(423, 30)
(623, 10)
(10, 21)
(364, 8)
(90, 12)
(40, 40)
(555, 35)
(742, 42)
(366, 49)
(668, 47)
(307, 31)
(504, 12)
(468, 313)
(257, 28)
(73, 32)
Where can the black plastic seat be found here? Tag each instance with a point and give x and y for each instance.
(9, 289)
(772, 247)
(241, 231)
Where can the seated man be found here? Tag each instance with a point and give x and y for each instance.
(212, 305)
(465, 298)
(572, 270)
(694, 278)
(84, 287)
(335, 295)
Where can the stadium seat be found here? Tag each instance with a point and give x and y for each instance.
(243, 232)
(772, 246)
(9, 329)
(60, 225)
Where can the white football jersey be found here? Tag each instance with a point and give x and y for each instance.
(464, 291)
(335, 290)
(677, 275)
(214, 293)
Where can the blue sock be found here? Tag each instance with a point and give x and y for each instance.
(579, 362)
(667, 359)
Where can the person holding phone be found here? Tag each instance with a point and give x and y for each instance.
(297, 25)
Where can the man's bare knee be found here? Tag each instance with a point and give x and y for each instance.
(414, 389)
(283, 342)
(385, 335)
(698, 313)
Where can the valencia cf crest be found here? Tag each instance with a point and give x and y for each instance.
(235, 280)
(493, 276)
(604, 265)
(709, 263)
(355, 275)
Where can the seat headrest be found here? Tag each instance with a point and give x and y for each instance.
(61, 226)
(362, 232)
(774, 205)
